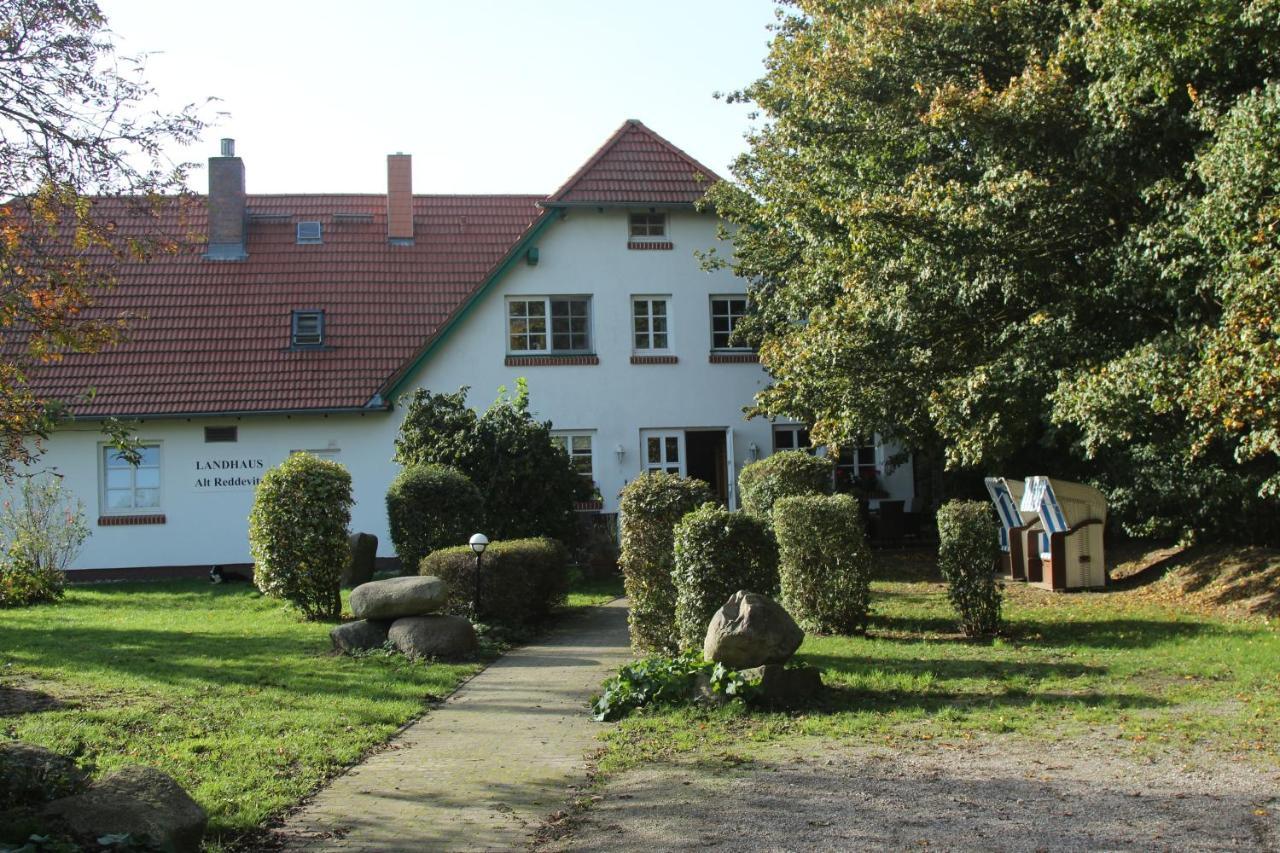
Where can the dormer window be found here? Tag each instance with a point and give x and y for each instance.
(308, 329)
(309, 233)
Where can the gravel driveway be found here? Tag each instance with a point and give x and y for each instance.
(1000, 793)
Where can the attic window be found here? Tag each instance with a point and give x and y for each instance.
(308, 329)
(646, 226)
(309, 232)
(219, 433)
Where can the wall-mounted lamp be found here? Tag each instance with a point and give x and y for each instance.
(621, 452)
(754, 450)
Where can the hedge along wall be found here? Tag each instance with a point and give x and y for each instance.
(717, 553)
(824, 563)
(791, 472)
(651, 506)
(431, 507)
(298, 533)
(967, 555)
(521, 580)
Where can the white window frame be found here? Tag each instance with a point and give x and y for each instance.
(548, 333)
(565, 438)
(733, 323)
(651, 349)
(794, 430)
(296, 333)
(104, 505)
(664, 437)
(662, 223)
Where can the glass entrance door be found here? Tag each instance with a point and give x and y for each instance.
(663, 450)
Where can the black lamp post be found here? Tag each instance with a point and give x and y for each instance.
(478, 543)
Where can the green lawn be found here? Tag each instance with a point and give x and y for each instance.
(1144, 675)
(591, 592)
(229, 692)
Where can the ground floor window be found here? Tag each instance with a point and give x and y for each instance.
(578, 446)
(856, 469)
(791, 437)
(127, 487)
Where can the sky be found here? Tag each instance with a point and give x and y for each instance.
(489, 96)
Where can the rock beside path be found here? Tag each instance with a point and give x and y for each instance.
(360, 636)
(364, 555)
(33, 774)
(396, 597)
(437, 636)
(751, 630)
(140, 801)
(781, 685)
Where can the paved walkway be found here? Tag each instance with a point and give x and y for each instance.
(481, 770)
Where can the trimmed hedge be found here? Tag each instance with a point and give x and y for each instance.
(431, 507)
(298, 533)
(824, 563)
(717, 553)
(967, 555)
(791, 472)
(520, 579)
(651, 505)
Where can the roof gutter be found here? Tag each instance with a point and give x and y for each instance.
(243, 413)
(391, 389)
(668, 205)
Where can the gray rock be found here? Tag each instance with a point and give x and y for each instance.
(751, 630)
(396, 597)
(33, 774)
(359, 636)
(140, 801)
(781, 685)
(433, 636)
(364, 555)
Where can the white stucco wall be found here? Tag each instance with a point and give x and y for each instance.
(614, 400)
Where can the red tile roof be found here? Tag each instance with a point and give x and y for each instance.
(637, 166)
(213, 336)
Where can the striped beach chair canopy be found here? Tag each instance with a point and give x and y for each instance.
(1006, 508)
(1039, 497)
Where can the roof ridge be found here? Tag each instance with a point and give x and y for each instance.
(630, 124)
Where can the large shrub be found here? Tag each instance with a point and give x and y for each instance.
(791, 472)
(298, 533)
(651, 505)
(527, 483)
(431, 507)
(824, 564)
(520, 579)
(717, 553)
(42, 529)
(967, 555)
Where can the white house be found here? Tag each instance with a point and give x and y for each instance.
(303, 319)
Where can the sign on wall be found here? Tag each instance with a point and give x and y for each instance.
(228, 474)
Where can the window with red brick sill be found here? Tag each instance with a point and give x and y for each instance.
(128, 489)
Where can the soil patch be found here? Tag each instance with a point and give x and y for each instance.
(1003, 793)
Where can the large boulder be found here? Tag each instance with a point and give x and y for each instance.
(751, 630)
(33, 774)
(364, 556)
(782, 685)
(140, 801)
(359, 636)
(434, 636)
(397, 597)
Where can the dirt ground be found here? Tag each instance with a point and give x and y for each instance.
(1001, 793)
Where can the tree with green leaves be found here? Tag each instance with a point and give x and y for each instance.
(1030, 235)
(76, 120)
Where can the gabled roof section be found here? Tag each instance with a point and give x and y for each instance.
(636, 166)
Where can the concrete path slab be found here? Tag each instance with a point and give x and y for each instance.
(478, 772)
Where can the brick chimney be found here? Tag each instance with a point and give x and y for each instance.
(226, 206)
(400, 198)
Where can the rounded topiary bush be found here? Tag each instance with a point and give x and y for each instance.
(651, 505)
(520, 579)
(431, 507)
(717, 553)
(298, 533)
(824, 563)
(791, 472)
(968, 556)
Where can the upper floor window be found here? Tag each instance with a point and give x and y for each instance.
(649, 323)
(791, 437)
(308, 329)
(726, 312)
(310, 232)
(126, 487)
(549, 324)
(648, 225)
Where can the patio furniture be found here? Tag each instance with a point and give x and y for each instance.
(1073, 517)
(1017, 527)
